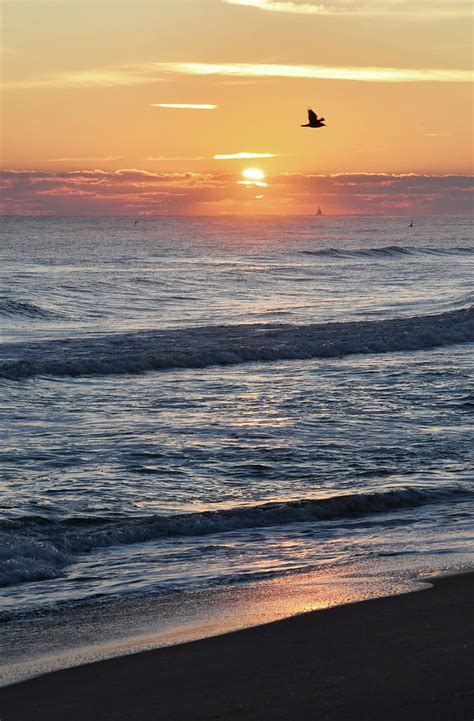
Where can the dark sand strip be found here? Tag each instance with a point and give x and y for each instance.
(403, 658)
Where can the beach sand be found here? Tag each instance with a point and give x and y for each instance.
(408, 657)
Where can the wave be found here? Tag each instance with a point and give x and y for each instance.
(204, 346)
(16, 308)
(387, 251)
(37, 548)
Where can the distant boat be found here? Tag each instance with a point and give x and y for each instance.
(319, 211)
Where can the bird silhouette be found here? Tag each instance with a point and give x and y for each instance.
(313, 120)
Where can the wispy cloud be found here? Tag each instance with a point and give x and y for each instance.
(436, 8)
(438, 135)
(120, 76)
(142, 74)
(166, 157)
(185, 106)
(412, 9)
(83, 160)
(284, 6)
(366, 74)
(233, 156)
(244, 156)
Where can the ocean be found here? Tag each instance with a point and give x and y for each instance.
(208, 423)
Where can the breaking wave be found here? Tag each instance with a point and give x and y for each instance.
(200, 347)
(37, 548)
(387, 251)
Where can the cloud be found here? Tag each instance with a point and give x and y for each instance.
(165, 157)
(120, 76)
(243, 156)
(438, 135)
(99, 191)
(412, 9)
(148, 73)
(184, 106)
(284, 6)
(134, 190)
(366, 74)
(234, 156)
(82, 160)
(249, 183)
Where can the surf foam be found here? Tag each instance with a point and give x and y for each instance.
(36, 548)
(200, 347)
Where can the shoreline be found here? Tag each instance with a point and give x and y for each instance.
(59, 639)
(404, 656)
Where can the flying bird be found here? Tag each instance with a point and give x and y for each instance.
(314, 121)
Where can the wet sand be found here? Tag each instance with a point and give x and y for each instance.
(407, 657)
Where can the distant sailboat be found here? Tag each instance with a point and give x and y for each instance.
(319, 211)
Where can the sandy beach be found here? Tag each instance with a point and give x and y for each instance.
(405, 657)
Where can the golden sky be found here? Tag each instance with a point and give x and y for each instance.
(142, 106)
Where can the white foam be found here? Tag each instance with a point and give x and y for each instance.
(37, 548)
(200, 347)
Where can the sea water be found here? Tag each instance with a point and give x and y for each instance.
(198, 413)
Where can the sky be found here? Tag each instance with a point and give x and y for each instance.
(143, 107)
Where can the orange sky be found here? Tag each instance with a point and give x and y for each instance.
(86, 85)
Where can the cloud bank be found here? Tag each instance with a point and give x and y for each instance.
(132, 191)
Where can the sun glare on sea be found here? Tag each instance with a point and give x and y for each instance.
(253, 174)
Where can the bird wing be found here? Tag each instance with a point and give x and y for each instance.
(312, 117)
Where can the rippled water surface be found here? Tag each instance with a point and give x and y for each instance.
(190, 404)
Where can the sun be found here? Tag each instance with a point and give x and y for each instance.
(253, 174)
(253, 177)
